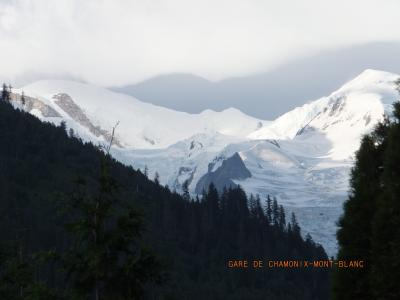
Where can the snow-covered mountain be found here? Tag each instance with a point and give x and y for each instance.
(141, 125)
(341, 117)
(303, 157)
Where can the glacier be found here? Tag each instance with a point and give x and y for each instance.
(303, 158)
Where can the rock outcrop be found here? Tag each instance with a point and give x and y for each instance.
(231, 169)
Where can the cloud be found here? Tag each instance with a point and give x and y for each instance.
(115, 42)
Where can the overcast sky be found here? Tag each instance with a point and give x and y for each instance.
(116, 42)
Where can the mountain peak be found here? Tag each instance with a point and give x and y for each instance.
(370, 79)
(370, 73)
(341, 118)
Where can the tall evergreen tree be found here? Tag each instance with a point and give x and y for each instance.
(355, 225)
(185, 190)
(293, 224)
(275, 212)
(107, 260)
(252, 205)
(258, 209)
(23, 99)
(211, 202)
(385, 273)
(268, 209)
(17, 279)
(5, 93)
(157, 178)
(367, 229)
(282, 218)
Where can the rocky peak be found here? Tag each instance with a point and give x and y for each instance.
(67, 104)
(34, 104)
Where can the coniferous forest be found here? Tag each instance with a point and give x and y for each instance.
(76, 224)
(369, 229)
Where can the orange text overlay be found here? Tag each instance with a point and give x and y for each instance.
(294, 264)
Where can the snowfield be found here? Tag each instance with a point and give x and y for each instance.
(303, 157)
(142, 125)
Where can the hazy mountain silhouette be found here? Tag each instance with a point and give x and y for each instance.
(267, 95)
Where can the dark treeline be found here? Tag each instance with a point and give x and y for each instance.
(179, 246)
(369, 229)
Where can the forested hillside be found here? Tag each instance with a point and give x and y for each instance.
(369, 229)
(188, 241)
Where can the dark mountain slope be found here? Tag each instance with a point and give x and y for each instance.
(231, 168)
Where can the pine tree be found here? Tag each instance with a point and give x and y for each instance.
(294, 225)
(108, 260)
(211, 202)
(71, 133)
(5, 93)
(17, 280)
(23, 98)
(275, 212)
(63, 126)
(268, 209)
(157, 178)
(385, 273)
(258, 208)
(252, 205)
(355, 226)
(282, 218)
(397, 84)
(185, 190)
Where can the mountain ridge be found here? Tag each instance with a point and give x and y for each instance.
(142, 125)
(303, 157)
(269, 94)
